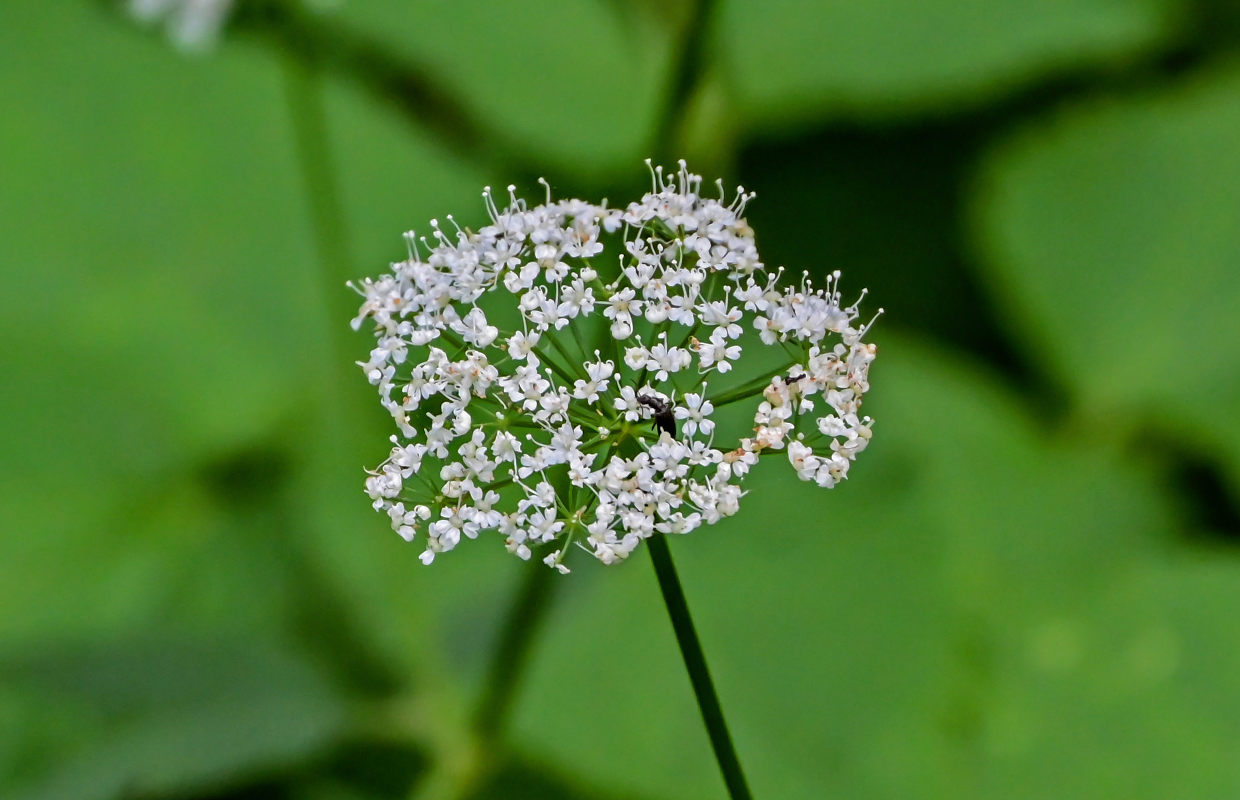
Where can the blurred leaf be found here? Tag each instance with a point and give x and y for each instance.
(1106, 224)
(562, 77)
(792, 61)
(886, 208)
(860, 638)
(165, 307)
(172, 233)
(1132, 696)
(179, 714)
(175, 378)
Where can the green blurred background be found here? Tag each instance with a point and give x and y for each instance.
(1028, 589)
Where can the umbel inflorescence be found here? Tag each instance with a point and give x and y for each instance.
(557, 377)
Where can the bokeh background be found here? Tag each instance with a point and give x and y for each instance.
(1029, 588)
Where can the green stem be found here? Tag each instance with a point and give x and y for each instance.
(552, 336)
(475, 754)
(394, 75)
(695, 664)
(560, 370)
(687, 66)
(303, 89)
(749, 389)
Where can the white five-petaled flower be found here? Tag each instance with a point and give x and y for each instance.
(555, 375)
(696, 412)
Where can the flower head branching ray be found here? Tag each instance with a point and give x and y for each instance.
(552, 376)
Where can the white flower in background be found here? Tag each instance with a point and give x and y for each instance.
(556, 378)
(195, 25)
(192, 24)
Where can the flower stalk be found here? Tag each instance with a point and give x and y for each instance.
(699, 673)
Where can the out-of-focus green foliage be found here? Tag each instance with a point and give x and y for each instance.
(1027, 589)
(568, 80)
(174, 716)
(1112, 231)
(797, 62)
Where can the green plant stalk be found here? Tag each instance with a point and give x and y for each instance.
(695, 664)
(304, 93)
(454, 769)
(688, 63)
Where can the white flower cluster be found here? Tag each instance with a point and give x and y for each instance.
(556, 376)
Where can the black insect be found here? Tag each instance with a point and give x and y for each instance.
(664, 419)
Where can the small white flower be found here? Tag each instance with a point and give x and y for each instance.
(717, 353)
(636, 357)
(553, 560)
(696, 412)
(598, 377)
(628, 403)
(664, 360)
(723, 318)
(576, 299)
(475, 330)
(620, 309)
(522, 346)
